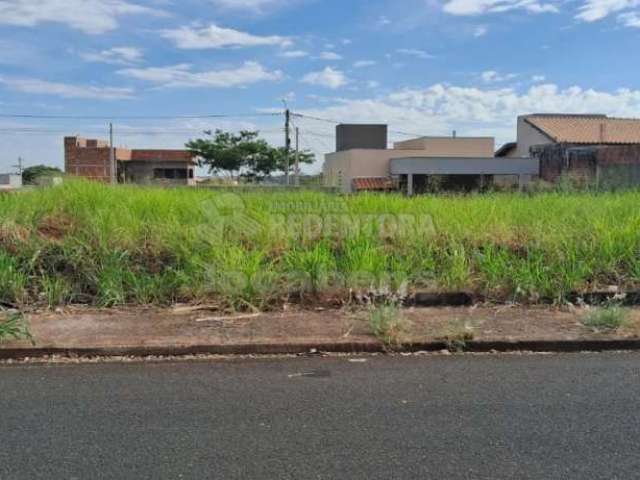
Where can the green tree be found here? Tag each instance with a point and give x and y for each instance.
(243, 154)
(226, 152)
(274, 160)
(30, 175)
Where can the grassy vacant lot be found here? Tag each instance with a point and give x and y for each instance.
(89, 243)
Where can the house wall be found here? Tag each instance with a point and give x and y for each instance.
(341, 168)
(10, 181)
(87, 158)
(90, 158)
(142, 172)
(450, 146)
(529, 136)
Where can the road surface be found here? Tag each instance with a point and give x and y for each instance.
(461, 417)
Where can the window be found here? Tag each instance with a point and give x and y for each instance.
(172, 173)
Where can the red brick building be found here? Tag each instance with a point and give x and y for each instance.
(90, 158)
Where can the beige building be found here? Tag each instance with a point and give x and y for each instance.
(370, 168)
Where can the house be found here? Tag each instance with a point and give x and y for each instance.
(91, 158)
(594, 148)
(10, 181)
(363, 161)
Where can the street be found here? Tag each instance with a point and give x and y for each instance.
(456, 417)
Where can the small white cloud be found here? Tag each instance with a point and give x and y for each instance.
(251, 6)
(213, 37)
(89, 16)
(364, 63)
(383, 21)
(373, 84)
(331, 56)
(329, 78)
(414, 53)
(491, 76)
(181, 76)
(115, 56)
(65, 90)
(293, 54)
(479, 7)
(480, 31)
(538, 78)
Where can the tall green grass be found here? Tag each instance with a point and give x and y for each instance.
(90, 243)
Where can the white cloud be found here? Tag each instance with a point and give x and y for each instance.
(383, 21)
(254, 7)
(330, 56)
(630, 19)
(594, 10)
(373, 84)
(65, 90)
(480, 31)
(491, 76)
(588, 11)
(293, 54)
(479, 7)
(89, 16)
(115, 56)
(213, 36)
(364, 63)
(538, 78)
(414, 53)
(328, 78)
(439, 109)
(178, 76)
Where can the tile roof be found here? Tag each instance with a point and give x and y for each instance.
(372, 183)
(587, 129)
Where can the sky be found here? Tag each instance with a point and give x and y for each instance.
(425, 67)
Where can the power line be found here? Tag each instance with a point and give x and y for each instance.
(138, 117)
(336, 122)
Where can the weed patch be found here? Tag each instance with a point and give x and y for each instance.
(14, 327)
(606, 319)
(388, 324)
(457, 335)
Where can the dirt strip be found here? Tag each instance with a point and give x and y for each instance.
(188, 330)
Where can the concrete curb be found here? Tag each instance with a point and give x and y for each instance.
(503, 346)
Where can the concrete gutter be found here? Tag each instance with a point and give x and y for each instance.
(497, 346)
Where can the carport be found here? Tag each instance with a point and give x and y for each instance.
(523, 168)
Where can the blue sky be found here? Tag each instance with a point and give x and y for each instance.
(425, 67)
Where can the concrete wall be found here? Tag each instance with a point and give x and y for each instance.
(352, 136)
(529, 136)
(10, 181)
(450, 146)
(143, 172)
(341, 168)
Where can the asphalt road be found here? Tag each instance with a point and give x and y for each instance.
(475, 417)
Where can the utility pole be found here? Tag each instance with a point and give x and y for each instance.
(112, 156)
(19, 166)
(287, 142)
(297, 166)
